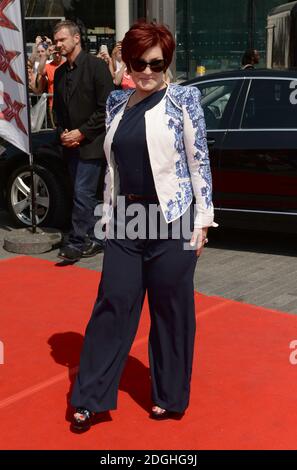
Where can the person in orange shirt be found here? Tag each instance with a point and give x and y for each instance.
(46, 73)
(121, 76)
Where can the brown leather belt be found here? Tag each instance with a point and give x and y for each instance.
(141, 197)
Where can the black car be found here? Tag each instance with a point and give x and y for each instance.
(52, 182)
(251, 120)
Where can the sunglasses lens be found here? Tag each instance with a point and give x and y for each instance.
(140, 65)
(157, 65)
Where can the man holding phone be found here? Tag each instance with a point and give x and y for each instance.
(81, 87)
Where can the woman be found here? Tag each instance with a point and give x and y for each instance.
(39, 50)
(157, 156)
(104, 55)
(122, 78)
(33, 86)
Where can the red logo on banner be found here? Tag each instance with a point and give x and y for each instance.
(13, 112)
(4, 21)
(6, 57)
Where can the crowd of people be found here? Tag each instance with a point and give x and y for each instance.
(46, 58)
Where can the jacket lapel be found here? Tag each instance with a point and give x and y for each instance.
(78, 75)
(61, 82)
(110, 134)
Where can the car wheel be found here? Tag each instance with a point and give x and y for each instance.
(52, 207)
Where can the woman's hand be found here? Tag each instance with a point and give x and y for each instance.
(199, 239)
(38, 40)
(104, 56)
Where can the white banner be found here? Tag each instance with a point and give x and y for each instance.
(13, 91)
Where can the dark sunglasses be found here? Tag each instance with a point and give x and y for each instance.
(140, 65)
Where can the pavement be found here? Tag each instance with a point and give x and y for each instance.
(258, 268)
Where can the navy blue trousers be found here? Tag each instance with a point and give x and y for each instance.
(164, 270)
(85, 176)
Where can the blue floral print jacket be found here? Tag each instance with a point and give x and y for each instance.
(177, 146)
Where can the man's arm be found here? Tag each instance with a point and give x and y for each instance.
(95, 125)
(41, 77)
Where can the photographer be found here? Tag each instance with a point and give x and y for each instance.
(46, 73)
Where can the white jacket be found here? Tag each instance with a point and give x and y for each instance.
(177, 147)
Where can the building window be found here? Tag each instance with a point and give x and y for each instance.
(96, 19)
(215, 34)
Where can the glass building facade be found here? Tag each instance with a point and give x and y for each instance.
(209, 33)
(96, 19)
(215, 33)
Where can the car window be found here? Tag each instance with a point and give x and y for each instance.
(214, 99)
(270, 105)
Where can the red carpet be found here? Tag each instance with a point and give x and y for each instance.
(243, 388)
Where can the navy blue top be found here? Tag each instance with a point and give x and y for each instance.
(130, 148)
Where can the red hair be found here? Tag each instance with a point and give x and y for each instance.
(141, 36)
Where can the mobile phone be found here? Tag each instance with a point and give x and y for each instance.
(103, 48)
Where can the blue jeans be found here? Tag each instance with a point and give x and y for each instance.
(85, 176)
